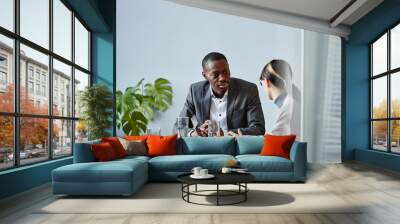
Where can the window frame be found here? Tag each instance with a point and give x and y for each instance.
(388, 74)
(16, 114)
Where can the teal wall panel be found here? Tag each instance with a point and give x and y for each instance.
(356, 86)
(24, 178)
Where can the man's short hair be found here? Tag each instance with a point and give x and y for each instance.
(213, 56)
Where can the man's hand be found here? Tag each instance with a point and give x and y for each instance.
(231, 133)
(201, 131)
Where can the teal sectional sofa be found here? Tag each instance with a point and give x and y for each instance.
(125, 176)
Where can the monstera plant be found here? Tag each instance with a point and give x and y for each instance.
(138, 104)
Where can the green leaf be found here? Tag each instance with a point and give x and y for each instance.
(138, 104)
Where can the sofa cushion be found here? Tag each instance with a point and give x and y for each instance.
(185, 163)
(116, 145)
(161, 145)
(111, 171)
(103, 152)
(134, 147)
(83, 152)
(132, 158)
(249, 144)
(211, 145)
(257, 163)
(277, 145)
(136, 137)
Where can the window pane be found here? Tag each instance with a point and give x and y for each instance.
(81, 81)
(33, 139)
(7, 14)
(34, 97)
(62, 89)
(81, 45)
(62, 29)
(395, 94)
(62, 138)
(379, 98)
(395, 129)
(6, 74)
(35, 21)
(6, 142)
(379, 55)
(395, 47)
(81, 131)
(379, 135)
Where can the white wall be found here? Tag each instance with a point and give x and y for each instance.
(157, 38)
(161, 39)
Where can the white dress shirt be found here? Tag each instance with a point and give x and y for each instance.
(283, 120)
(218, 110)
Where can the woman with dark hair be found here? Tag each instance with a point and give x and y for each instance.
(276, 80)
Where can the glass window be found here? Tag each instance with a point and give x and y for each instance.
(44, 91)
(81, 45)
(379, 100)
(33, 140)
(35, 21)
(379, 56)
(81, 131)
(62, 137)
(388, 81)
(7, 14)
(30, 72)
(6, 142)
(30, 87)
(3, 78)
(37, 75)
(62, 29)
(395, 47)
(395, 138)
(37, 89)
(6, 73)
(395, 95)
(81, 81)
(379, 135)
(40, 62)
(34, 79)
(3, 60)
(61, 75)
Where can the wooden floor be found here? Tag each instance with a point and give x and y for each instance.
(377, 188)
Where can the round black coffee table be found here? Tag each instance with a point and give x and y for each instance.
(238, 179)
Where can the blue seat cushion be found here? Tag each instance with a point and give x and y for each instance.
(132, 158)
(185, 163)
(257, 163)
(111, 171)
(249, 144)
(211, 145)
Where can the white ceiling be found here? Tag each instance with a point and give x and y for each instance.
(315, 15)
(319, 9)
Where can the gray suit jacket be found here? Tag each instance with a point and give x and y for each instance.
(243, 110)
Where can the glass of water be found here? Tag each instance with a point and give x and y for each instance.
(182, 124)
(153, 131)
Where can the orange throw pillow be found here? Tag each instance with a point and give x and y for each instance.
(136, 137)
(275, 145)
(116, 145)
(161, 145)
(103, 152)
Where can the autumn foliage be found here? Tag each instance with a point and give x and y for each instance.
(380, 127)
(33, 131)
